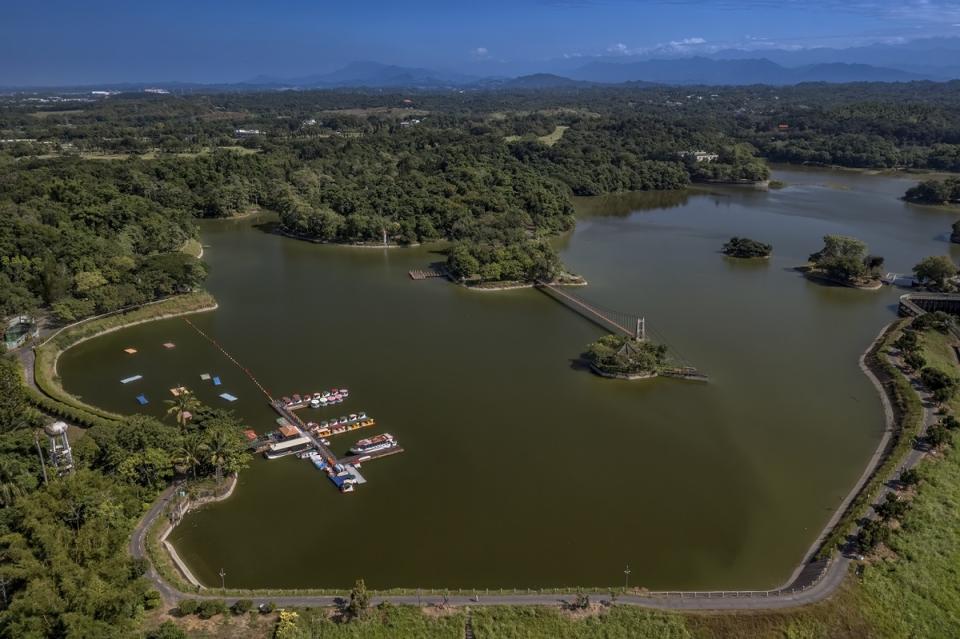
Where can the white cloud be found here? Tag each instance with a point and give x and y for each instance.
(618, 49)
(687, 42)
(480, 52)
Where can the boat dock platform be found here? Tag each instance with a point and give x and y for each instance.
(343, 471)
(437, 269)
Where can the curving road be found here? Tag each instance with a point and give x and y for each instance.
(811, 582)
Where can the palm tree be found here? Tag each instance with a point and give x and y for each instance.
(191, 452)
(218, 449)
(182, 406)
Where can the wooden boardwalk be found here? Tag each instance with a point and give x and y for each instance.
(437, 269)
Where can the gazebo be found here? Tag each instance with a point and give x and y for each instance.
(18, 330)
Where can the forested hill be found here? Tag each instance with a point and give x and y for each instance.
(100, 192)
(87, 237)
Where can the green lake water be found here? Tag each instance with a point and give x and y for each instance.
(521, 470)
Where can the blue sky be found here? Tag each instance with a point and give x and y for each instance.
(59, 42)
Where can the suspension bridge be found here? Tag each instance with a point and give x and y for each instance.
(630, 325)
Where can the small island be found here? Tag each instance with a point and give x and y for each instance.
(622, 357)
(935, 192)
(845, 261)
(745, 248)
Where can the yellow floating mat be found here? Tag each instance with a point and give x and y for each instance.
(129, 351)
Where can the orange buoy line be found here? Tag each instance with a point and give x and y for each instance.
(246, 371)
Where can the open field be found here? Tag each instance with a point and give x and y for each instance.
(549, 140)
(150, 155)
(939, 353)
(389, 112)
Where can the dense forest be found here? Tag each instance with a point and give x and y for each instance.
(101, 192)
(63, 540)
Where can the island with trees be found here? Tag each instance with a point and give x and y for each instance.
(845, 261)
(945, 191)
(622, 357)
(745, 248)
(936, 273)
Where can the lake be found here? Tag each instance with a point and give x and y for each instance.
(521, 469)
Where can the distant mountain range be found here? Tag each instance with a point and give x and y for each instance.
(678, 71)
(731, 72)
(936, 59)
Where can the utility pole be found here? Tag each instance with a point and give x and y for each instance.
(223, 584)
(43, 465)
(641, 333)
(626, 578)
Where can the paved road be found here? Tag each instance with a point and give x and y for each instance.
(806, 586)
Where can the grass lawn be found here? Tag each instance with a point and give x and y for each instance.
(554, 137)
(550, 139)
(192, 247)
(938, 351)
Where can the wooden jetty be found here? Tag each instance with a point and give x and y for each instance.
(437, 269)
(288, 413)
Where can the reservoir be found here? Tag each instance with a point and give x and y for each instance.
(520, 468)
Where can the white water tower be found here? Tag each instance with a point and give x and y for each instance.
(60, 454)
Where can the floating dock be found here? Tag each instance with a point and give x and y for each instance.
(338, 470)
(437, 269)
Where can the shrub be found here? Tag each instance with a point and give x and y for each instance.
(268, 607)
(241, 606)
(873, 533)
(188, 606)
(910, 477)
(211, 608)
(914, 360)
(892, 508)
(167, 630)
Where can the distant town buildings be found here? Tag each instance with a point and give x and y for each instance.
(246, 133)
(159, 91)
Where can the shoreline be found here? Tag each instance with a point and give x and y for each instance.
(192, 505)
(510, 286)
(815, 276)
(360, 245)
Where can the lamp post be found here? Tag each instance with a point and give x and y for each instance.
(223, 584)
(626, 577)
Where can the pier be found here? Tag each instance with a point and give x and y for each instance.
(437, 269)
(287, 412)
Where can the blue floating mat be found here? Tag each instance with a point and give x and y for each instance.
(228, 397)
(216, 381)
(142, 399)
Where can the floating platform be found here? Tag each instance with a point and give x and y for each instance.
(365, 457)
(357, 477)
(142, 400)
(228, 397)
(132, 378)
